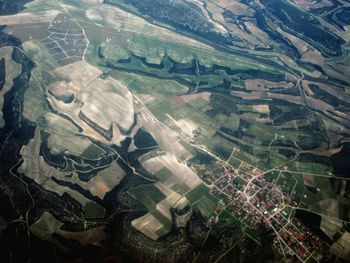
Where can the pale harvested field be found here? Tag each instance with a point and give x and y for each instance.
(181, 173)
(255, 117)
(224, 3)
(108, 107)
(98, 186)
(92, 2)
(181, 203)
(164, 206)
(258, 33)
(261, 84)
(149, 98)
(75, 145)
(148, 225)
(29, 18)
(248, 96)
(60, 90)
(167, 139)
(63, 135)
(30, 155)
(105, 180)
(319, 104)
(264, 109)
(289, 98)
(307, 4)
(308, 53)
(72, 111)
(111, 109)
(79, 72)
(203, 95)
(36, 168)
(336, 92)
(345, 116)
(186, 126)
(93, 14)
(171, 199)
(44, 178)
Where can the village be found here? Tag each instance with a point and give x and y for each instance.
(254, 197)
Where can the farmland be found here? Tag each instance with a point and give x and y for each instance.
(176, 131)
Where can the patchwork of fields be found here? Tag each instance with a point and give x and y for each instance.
(177, 131)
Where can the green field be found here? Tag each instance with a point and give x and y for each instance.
(203, 200)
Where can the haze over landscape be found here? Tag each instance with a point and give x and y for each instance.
(175, 131)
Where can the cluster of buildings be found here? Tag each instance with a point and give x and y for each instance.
(248, 195)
